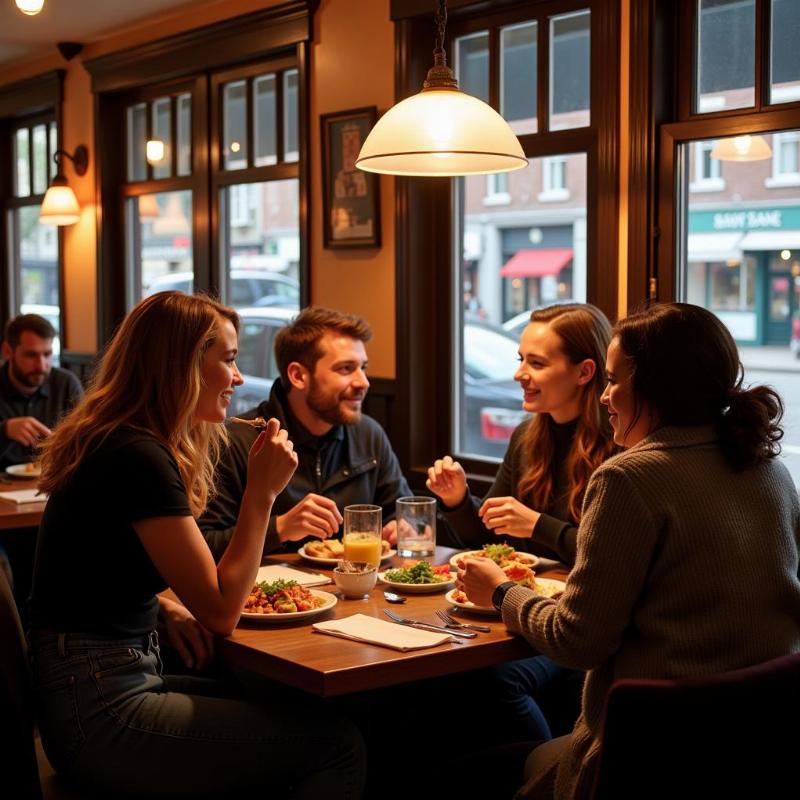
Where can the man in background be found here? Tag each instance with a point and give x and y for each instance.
(344, 456)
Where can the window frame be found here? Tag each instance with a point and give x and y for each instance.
(427, 213)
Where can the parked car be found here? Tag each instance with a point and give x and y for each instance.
(492, 398)
(248, 287)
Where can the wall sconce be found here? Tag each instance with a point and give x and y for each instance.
(742, 148)
(60, 206)
(154, 151)
(441, 130)
(30, 7)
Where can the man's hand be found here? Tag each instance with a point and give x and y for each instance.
(448, 481)
(26, 430)
(195, 644)
(390, 531)
(508, 516)
(314, 515)
(479, 578)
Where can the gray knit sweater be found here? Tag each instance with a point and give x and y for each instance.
(684, 568)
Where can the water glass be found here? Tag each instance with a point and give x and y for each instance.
(362, 533)
(416, 527)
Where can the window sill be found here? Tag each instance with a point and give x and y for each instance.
(777, 181)
(553, 196)
(709, 185)
(499, 199)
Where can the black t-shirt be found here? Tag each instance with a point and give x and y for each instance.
(92, 574)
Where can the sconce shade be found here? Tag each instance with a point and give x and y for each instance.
(441, 132)
(742, 148)
(154, 151)
(60, 206)
(30, 7)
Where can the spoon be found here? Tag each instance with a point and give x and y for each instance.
(391, 597)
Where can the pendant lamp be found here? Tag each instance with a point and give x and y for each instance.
(441, 131)
(742, 148)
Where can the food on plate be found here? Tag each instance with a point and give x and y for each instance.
(524, 576)
(501, 554)
(329, 548)
(421, 572)
(256, 422)
(280, 597)
(31, 466)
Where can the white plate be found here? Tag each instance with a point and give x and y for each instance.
(418, 588)
(334, 561)
(529, 559)
(545, 586)
(24, 471)
(330, 602)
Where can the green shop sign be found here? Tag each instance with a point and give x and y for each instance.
(745, 219)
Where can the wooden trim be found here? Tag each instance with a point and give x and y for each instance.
(82, 364)
(226, 43)
(33, 95)
(305, 188)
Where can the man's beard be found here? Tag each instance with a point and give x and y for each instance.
(329, 407)
(30, 379)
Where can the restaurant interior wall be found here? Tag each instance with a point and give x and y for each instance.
(352, 65)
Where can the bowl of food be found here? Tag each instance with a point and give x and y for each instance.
(355, 578)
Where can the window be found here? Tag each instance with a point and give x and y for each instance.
(706, 171)
(554, 179)
(497, 190)
(785, 160)
(33, 268)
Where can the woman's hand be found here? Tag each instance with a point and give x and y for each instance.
(479, 578)
(271, 463)
(448, 481)
(508, 516)
(195, 644)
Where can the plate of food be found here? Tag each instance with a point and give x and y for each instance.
(499, 553)
(331, 551)
(30, 470)
(548, 587)
(285, 601)
(419, 578)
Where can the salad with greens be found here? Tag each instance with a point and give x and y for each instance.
(421, 572)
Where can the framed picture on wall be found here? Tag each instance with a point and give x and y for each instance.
(351, 198)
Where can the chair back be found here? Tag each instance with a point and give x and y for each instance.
(19, 775)
(729, 735)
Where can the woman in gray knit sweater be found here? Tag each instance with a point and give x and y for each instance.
(672, 530)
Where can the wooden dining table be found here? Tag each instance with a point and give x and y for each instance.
(327, 666)
(12, 515)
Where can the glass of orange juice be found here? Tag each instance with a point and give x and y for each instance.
(362, 533)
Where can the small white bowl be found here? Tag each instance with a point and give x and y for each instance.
(355, 584)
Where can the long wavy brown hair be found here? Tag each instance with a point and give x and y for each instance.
(149, 379)
(585, 332)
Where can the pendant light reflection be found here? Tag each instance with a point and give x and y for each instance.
(154, 151)
(148, 207)
(30, 7)
(742, 148)
(441, 131)
(60, 206)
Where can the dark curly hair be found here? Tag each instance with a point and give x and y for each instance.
(686, 368)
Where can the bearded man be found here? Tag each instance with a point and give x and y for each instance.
(344, 456)
(33, 393)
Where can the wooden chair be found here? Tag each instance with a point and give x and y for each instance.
(726, 736)
(24, 770)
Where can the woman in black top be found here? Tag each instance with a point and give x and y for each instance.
(535, 500)
(128, 471)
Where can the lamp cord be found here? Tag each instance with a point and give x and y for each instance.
(439, 56)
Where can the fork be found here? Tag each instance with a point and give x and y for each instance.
(426, 626)
(452, 622)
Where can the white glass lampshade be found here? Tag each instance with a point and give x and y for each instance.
(441, 132)
(60, 206)
(154, 151)
(742, 148)
(30, 7)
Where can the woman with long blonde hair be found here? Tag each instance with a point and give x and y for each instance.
(128, 471)
(535, 500)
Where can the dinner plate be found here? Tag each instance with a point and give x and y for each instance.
(529, 559)
(330, 602)
(418, 588)
(544, 586)
(334, 561)
(29, 471)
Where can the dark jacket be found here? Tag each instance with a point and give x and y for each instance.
(552, 537)
(350, 464)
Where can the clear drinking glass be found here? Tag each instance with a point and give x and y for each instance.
(416, 527)
(362, 533)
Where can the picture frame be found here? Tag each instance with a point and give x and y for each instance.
(351, 198)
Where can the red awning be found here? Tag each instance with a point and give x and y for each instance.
(535, 263)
